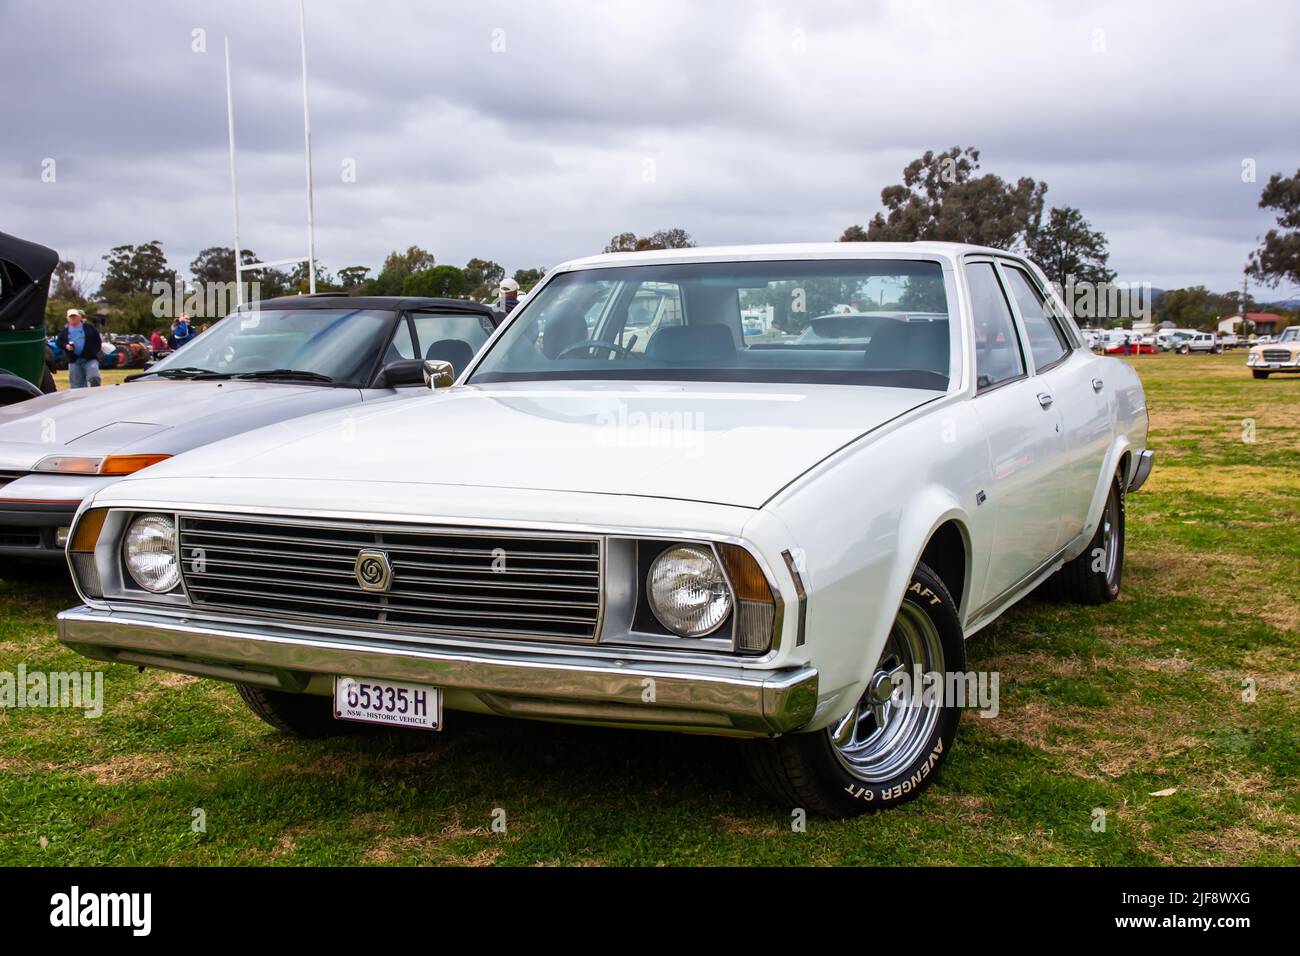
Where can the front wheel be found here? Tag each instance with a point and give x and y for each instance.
(892, 741)
(1258, 374)
(299, 715)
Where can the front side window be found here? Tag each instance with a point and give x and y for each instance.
(451, 336)
(997, 349)
(856, 321)
(341, 344)
(1045, 339)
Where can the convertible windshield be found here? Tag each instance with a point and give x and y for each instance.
(856, 321)
(339, 345)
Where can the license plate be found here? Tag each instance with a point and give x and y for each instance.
(1274, 364)
(388, 702)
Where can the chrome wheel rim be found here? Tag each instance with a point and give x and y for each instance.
(887, 729)
(1109, 533)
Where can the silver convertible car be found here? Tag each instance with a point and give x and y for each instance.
(673, 525)
(263, 364)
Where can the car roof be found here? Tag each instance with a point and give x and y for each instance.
(391, 303)
(949, 251)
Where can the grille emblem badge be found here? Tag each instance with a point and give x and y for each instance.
(373, 570)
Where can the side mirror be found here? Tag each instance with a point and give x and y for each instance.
(403, 372)
(437, 373)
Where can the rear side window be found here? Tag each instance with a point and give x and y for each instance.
(1046, 341)
(997, 349)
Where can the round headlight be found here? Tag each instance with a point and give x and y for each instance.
(151, 553)
(687, 591)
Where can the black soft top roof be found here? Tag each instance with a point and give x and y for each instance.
(25, 282)
(391, 303)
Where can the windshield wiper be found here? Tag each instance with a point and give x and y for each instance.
(298, 375)
(187, 371)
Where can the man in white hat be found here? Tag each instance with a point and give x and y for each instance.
(81, 343)
(509, 290)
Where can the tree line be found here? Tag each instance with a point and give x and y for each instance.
(127, 290)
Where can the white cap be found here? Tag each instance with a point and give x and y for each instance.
(509, 285)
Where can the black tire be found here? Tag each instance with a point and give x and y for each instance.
(807, 770)
(302, 715)
(1258, 374)
(47, 381)
(1093, 577)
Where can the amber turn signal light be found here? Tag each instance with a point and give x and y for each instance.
(86, 535)
(128, 464)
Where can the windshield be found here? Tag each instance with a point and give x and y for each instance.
(341, 344)
(857, 321)
(1291, 335)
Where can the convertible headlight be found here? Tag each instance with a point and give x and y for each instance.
(688, 592)
(150, 552)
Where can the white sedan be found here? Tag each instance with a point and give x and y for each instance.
(782, 540)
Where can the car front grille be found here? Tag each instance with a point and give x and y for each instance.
(454, 581)
(1277, 355)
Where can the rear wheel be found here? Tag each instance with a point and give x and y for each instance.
(1094, 576)
(891, 743)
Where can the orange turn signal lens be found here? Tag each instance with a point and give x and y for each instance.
(128, 464)
(746, 576)
(86, 535)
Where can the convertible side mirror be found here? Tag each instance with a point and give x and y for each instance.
(437, 373)
(403, 372)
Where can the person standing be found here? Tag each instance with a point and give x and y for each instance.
(81, 343)
(182, 332)
(509, 290)
(157, 342)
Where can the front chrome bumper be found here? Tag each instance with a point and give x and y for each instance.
(529, 682)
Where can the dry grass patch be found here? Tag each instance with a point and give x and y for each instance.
(129, 768)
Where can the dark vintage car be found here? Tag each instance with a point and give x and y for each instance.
(25, 270)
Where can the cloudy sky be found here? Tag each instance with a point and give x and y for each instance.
(530, 132)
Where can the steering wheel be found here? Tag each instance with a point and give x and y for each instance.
(594, 344)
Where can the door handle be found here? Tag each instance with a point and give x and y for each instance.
(1044, 399)
(1098, 385)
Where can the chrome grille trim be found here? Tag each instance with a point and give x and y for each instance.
(1277, 355)
(444, 578)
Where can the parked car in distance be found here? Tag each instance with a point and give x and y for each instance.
(1282, 356)
(262, 364)
(787, 542)
(1168, 340)
(1228, 340)
(1118, 339)
(1199, 342)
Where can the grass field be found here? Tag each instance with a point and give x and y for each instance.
(1100, 708)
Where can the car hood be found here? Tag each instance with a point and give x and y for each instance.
(150, 417)
(716, 443)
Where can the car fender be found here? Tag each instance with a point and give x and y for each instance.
(851, 609)
(15, 389)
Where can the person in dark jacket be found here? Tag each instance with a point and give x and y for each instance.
(182, 332)
(81, 343)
